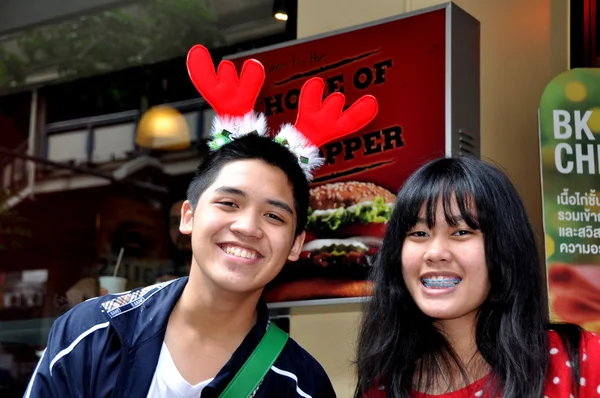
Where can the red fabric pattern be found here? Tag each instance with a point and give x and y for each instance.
(558, 380)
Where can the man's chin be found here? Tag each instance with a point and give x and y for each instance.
(225, 275)
(243, 285)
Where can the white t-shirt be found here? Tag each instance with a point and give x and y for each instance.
(168, 382)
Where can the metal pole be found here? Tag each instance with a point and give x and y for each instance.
(33, 117)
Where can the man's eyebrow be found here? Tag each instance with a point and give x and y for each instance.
(231, 191)
(281, 205)
(238, 192)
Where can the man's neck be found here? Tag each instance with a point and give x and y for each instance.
(206, 326)
(211, 313)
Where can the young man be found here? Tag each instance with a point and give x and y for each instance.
(245, 211)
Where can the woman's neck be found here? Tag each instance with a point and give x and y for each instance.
(460, 334)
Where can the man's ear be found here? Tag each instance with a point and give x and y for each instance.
(297, 247)
(187, 218)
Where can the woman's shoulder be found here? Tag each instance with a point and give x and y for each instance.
(587, 340)
(588, 357)
(589, 345)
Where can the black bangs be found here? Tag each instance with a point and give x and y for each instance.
(441, 183)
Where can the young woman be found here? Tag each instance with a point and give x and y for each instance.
(459, 307)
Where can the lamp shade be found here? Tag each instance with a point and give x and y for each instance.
(163, 128)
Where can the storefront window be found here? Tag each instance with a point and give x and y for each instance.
(80, 191)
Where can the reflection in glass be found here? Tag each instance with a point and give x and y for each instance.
(140, 34)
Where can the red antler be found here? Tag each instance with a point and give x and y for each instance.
(322, 122)
(225, 93)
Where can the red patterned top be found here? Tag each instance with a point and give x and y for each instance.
(558, 380)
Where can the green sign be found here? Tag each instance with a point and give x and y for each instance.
(569, 118)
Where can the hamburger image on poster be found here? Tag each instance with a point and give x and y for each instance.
(346, 225)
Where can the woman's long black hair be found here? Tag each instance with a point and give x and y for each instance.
(398, 343)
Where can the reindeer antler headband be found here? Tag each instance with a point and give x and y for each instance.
(318, 121)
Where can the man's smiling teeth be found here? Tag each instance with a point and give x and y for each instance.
(440, 282)
(240, 252)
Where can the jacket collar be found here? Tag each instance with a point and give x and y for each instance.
(139, 314)
(142, 332)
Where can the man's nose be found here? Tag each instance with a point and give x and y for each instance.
(247, 224)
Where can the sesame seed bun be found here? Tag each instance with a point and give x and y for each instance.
(346, 194)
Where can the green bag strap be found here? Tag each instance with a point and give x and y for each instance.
(257, 365)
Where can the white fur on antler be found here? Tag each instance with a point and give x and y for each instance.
(308, 154)
(226, 129)
(237, 126)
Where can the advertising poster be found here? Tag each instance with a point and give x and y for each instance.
(570, 163)
(403, 64)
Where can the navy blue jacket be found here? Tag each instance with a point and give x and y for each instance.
(109, 347)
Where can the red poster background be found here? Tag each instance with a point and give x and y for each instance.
(405, 60)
